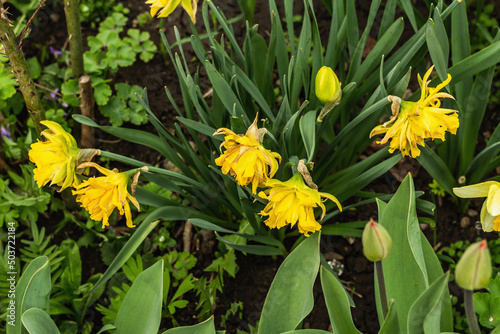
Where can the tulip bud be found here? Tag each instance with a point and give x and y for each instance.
(377, 242)
(327, 85)
(473, 270)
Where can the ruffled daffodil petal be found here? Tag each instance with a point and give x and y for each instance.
(166, 7)
(490, 211)
(414, 122)
(245, 158)
(292, 202)
(55, 158)
(100, 196)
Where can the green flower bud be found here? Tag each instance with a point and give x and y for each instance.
(327, 86)
(473, 270)
(377, 242)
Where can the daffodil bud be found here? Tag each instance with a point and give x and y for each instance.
(473, 270)
(327, 85)
(377, 242)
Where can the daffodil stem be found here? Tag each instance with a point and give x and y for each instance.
(381, 288)
(469, 311)
(20, 70)
(72, 12)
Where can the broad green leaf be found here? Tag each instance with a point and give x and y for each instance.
(129, 248)
(140, 311)
(307, 331)
(290, 298)
(37, 321)
(307, 125)
(206, 327)
(425, 314)
(390, 324)
(400, 219)
(32, 290)
(337, 303)
(435, 272)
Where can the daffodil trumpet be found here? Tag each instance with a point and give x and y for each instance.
(101, 195)
(292, 202)
(245, 158)
(413, 122)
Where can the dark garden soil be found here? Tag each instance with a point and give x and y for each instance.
(255, 273)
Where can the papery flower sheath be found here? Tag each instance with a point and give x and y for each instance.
(490, 211)
(101, 195)
(245, 158)
(55, 158)
(168, 6)
(292, 202)
(412, 122)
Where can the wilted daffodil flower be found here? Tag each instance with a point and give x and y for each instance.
(490, 211)
(377, 242)
(101, 195)
(245, 158)
(412, 122)
(168, 6)
(55, 158)
(292, 202)
(328, 92)
(473, 270)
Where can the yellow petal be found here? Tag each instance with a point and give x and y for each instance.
(475, 190)
(493, 200)
(487, 219)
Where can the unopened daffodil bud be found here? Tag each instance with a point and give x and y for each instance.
(327, 85)
(377, 242)
(473, 270)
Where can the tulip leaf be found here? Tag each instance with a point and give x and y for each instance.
(206, 327)
(425, 314)
(399, 217)
(32, 290)
(390, 324)
(337, 303)
(37, 321)
(290, 298)
(252, 249)
(307, 331)
(140, 311)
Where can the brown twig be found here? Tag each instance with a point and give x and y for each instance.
(47, 89)
(87, 108)
(186, 236)
(28, 26)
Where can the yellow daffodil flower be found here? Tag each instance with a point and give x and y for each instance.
(55, 158)
(490, 211)
(292, 202)
(101, 195)
(412, 122)
(245, 158)
(168, 6)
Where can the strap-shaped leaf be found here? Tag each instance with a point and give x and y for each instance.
(129, 248)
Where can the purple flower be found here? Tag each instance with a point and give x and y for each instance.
(5, 132)
(54, 51)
